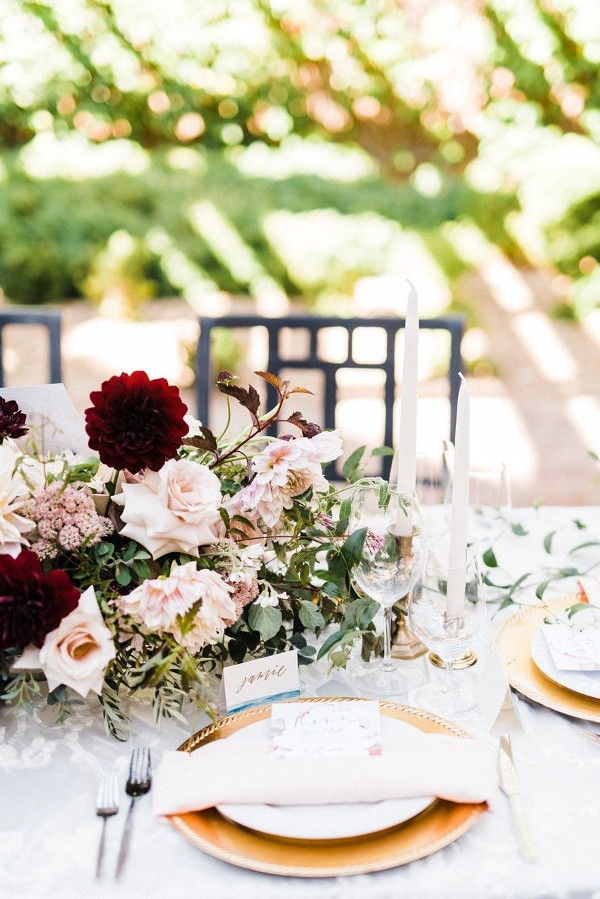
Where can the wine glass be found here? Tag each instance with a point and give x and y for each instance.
(385, 570)
(447, 611)
(489, 503)
(432, 473)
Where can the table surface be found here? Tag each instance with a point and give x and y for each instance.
(49, 777)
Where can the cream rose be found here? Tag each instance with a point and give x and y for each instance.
(77, 653)
(173, 510)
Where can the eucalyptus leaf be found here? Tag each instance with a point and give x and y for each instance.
(265, 619)
(310, 616)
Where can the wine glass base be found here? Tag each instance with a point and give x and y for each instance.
(448, 704)
(373, 680)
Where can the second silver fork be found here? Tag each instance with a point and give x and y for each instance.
(138, 783)
(107, 805)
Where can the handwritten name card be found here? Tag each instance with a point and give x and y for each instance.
(249, 683)
(314, 730)
(573, 648)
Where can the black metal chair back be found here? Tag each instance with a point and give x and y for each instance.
(34, 315)
(312, 361)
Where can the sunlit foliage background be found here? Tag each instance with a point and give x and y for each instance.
(270, 147)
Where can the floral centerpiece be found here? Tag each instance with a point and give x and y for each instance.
(140, 572)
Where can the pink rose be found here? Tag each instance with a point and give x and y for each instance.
(173, 510)
(77, 653)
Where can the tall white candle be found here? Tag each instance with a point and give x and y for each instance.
(459, 515)
(406, 448)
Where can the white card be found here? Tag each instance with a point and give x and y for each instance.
(50, 410)
(573, 648)
(318, 730)
(491, 689)
(273, 677)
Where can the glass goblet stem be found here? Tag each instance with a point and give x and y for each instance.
(450, 684)
(387, 664)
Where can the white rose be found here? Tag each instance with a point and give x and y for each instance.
(77, 653)
(173, 510)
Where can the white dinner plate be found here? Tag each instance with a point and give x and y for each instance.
(324, 822)
(585, 682)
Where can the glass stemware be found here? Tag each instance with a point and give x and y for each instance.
(432, 468)
(386, 570)
(447, 611)
(489, 503)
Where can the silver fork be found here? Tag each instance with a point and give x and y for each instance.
(139, 782)
(107, 804)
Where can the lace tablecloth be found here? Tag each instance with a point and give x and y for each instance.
(49, 778)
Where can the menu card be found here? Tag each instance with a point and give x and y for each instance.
(573, 648)
(50, 409)
(318, 730)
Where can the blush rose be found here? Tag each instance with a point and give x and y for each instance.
(173, 510)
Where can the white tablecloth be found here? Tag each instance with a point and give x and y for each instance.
(49, 778)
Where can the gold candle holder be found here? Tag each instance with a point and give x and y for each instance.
(466, 660)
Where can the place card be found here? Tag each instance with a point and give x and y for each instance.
(270, 678)
(573, 648)
(50, 409)
(319, 730)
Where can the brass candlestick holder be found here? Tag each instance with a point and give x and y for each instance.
(405, 645)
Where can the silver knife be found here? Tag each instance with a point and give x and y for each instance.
(509, 784)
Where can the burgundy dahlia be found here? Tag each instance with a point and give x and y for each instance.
(12, 420)
(135, 422)
(32, 603)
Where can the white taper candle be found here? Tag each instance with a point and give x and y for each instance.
(459, 516)
(405, 462)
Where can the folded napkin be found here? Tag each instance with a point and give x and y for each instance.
(239, 771)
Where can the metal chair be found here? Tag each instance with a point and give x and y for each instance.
(313, 325)
(35, 315)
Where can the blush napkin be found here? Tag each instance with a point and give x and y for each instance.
(224, 771)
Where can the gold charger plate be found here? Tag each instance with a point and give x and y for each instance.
(439, 824)
(513, 642)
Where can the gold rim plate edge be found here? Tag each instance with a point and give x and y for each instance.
(513, 641)
(437, 826)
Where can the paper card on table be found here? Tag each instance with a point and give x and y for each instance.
(50, 410)
(491, 690)
(273, 677)
(315, 730)
(573, 648)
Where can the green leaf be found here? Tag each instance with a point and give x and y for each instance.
(518, 530)
(382, 451)
(489, 558)
(578, 607)
(507, 601)
(122, 575)
(350, 467)
(541, 588)
(332, 640)
(353, 546)
(141, 569)
(584, 545)
(548, 541)
(310, 615)
(265, 619)
(360, 612)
